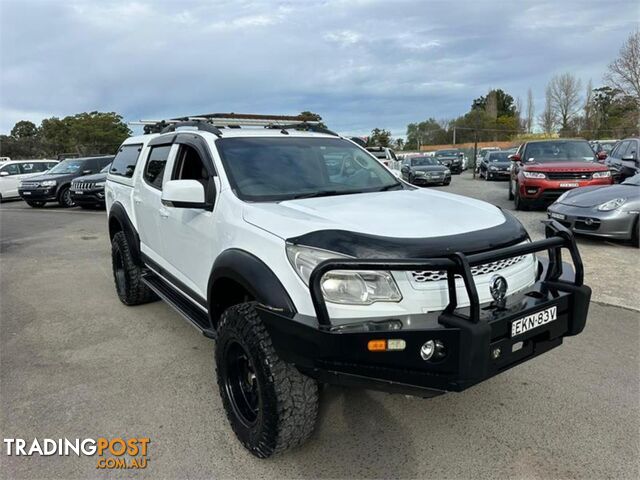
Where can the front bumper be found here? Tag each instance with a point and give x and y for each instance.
(544, 190)
(499, 173)
(471, 335)
(88, 197)
(430, 180)
(590, 221)
(39, 194)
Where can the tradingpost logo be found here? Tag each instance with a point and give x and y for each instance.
(112, 453)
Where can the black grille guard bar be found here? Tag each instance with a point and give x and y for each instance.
(557, 238)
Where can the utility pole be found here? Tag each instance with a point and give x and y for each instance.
(454, 135)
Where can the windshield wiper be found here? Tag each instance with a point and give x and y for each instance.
(321, 193)
(389, 187)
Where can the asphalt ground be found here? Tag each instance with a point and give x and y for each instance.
(76, 363)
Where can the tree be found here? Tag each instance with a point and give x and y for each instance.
(547, 118)
(588, 120)
(564, 94)
(530, 112)
(428, 132)
(24, 129)
(379, 138)
(398, 144)
(312, 117)
(504, 103)
(624, 71)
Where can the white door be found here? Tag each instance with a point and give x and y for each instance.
(9, 178)
(189, 234)
(147, 204)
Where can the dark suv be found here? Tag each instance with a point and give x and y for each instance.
(451, 158)
(88, 191)
(54, 185)
(623, 160)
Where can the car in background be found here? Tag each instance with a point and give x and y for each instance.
(623, 159)
(545, 169)
(610, 211)
(425, 170)
(483, 151)
(386, 155)
(603, 147)
(88, 191)
(495, 165)
(53, 185)
(13, 172)
(451, 158)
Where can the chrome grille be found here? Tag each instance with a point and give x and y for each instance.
(437, 275)
(30, 184)
(82, 186)
(569, 175)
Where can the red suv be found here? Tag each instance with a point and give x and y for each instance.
(545, 169)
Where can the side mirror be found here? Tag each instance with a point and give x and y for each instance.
(4, 174)
(183, 194)
(626, 158)
(602, 155)
(514, 158)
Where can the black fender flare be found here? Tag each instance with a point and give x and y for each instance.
(253, 275)
(118, 215)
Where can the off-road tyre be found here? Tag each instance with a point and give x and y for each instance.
(64, 198)
(35, 204)
(283, 405)
(127, 274)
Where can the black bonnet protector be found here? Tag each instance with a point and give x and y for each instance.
(362, 245)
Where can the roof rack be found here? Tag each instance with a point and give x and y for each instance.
(213, 122)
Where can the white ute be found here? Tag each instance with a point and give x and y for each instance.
(308, 261)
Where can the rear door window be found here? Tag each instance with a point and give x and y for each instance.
(126, 159)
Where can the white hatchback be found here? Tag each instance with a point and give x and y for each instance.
(14, 171)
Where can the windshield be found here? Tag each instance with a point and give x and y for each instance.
(424, 161)
(499, 156)
(274, 169)
(67, 166)
(635, 180)
(446, 153)
(561, 151)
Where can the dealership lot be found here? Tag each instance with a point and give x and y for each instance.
(77, 363)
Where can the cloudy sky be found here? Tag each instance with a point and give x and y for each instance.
(359, 63)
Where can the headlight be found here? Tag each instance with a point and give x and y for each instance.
(343, 286)
(533, 174)
(49, 183)
(612, 204)
(602, 174)
(99, 184)
(418, 173)
(494, 169)
(447, 171)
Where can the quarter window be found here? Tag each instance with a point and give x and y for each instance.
(154, 169)
(11, 169)
(125, 161)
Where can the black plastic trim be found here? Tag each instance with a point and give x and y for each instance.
(119, 214)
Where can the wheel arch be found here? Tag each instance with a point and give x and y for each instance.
(238, 276)
(119, 221)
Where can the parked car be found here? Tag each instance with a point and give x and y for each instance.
(88, 191)
(495, 165)
(53, 185)
(386, 155)
(603, 147)
(483, 151)
(13, 172)
(623, 159)
(545, 169)
(610, 212)
(451, 158)
(423, 170)
(307, 277)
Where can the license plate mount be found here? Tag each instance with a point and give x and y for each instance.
(534, 321)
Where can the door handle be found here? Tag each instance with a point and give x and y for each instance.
(137, 200)
(164, 213)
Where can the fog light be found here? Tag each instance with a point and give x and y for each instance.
(495, 353)
(432, 350)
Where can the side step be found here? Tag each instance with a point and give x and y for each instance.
(179, 302)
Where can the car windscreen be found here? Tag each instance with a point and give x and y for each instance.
(67, 166)
(274, 169)
(424, 161)
(447, 153)
(499, 156)
(562, 151)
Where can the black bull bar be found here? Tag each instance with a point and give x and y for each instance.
(335, 355)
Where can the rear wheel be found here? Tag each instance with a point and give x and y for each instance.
(64, 198)
(635, 233)
(35, 204)
(127, 274)
(270, 405)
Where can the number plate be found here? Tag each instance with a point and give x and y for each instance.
(559, 216)
(78, 192)
(535, 320)
(26, 193)
(569, 185)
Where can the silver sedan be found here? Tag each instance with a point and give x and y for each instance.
(606, 211)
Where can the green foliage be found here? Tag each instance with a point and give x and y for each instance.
(503, 103)
(84, 134)
(379, 138)
(312, 117)
(429, 132)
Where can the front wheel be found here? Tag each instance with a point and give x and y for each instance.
(270, 405)
(64, 198)
(519, 203)
(35, 204)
